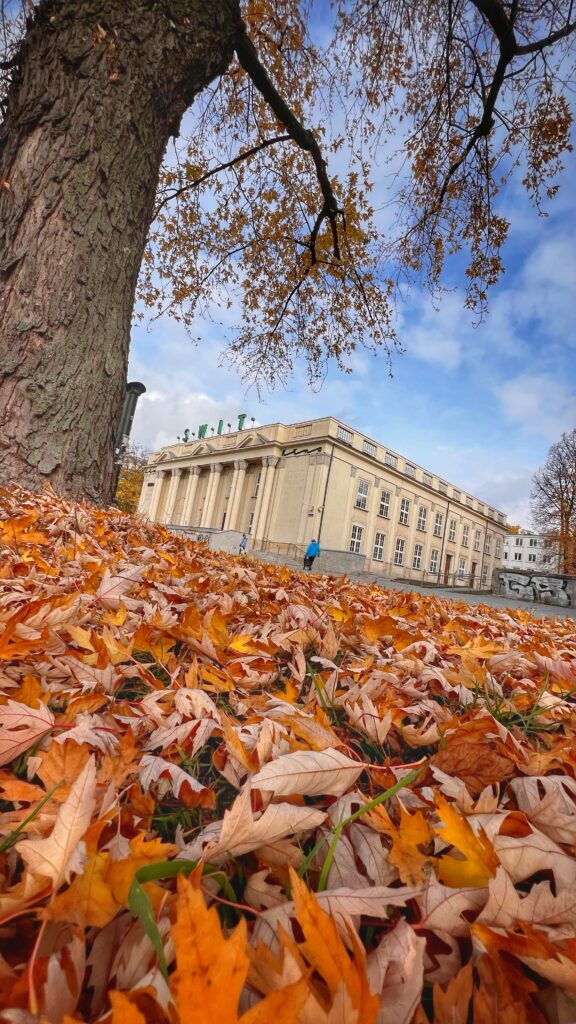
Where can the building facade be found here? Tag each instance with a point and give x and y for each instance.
(529, 551)
(284, 484)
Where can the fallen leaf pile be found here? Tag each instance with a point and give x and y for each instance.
(233, 792)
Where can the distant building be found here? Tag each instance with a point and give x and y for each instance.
(528, 551)
(286, 483)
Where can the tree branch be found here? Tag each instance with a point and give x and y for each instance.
(304, 138)
(221, 167)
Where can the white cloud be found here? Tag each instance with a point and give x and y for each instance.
(541, 404)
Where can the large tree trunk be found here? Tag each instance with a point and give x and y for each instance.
(100, 88)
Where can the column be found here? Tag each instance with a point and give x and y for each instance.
(153, 510)
(191, 491)
(235, 501)
(262, 506)
(172, 491)
(211, 494)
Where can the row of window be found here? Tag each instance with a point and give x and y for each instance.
(404, 519)
(532, 542)
(518, 557)
(400, 551)
(369, 448)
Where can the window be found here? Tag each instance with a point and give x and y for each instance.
(477, 540)
(452, 530)
(362, 495)
(518, 556)
(498, 547)
(462, 568)
(456, 494)
(404, 510)
(257, 484)
(505, 556)
(465, 533)
(399, 552)
(422, 513)
(378, 553)
(533, 542)
(390, 460)
(484, 575)
(531, 558)
(426, 479)
(356, 538)
(442, 487)
(487, 546)
(384, 504)
(250, 521)
(438, 524)
(519, 542)
(344, 435)
(417, 559)
(410, 470)
(434, 560)
(369, 449)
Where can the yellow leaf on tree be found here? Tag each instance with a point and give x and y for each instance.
(479, 861)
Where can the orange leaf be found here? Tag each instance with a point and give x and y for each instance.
(412, 831)
(123, 1010)
(326, 953)
(479, 861)
(211, 970)
(451, 1004)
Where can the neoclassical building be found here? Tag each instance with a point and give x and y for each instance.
(286, 483)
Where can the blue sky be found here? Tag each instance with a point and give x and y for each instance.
(479, 406)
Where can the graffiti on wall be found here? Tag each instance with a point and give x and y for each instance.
(550, 589)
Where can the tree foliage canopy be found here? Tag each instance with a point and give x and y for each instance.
(431, 105)
(334, 153)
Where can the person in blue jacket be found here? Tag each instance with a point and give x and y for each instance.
(312, 552)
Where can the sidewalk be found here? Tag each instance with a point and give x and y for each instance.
(541, 611)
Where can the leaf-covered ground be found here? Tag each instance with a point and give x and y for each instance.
(230, 791)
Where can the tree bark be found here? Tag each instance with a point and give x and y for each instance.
(100, 87)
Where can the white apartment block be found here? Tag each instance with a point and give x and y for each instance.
(529, 551)
(286, 483)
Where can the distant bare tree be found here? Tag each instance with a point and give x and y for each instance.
(553, 500)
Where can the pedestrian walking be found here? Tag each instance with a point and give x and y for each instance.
(243, 544)
(312, 552)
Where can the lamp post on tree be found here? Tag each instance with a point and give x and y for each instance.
(133, 391)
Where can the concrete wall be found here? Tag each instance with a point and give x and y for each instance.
(217, 540)
(536, 586)
(339, 561)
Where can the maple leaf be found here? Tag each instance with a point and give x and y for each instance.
(411, 832)
(211, 970)
(20, 727)
(478, 862)
(326, 953)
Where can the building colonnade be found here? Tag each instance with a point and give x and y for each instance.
(193, 496)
